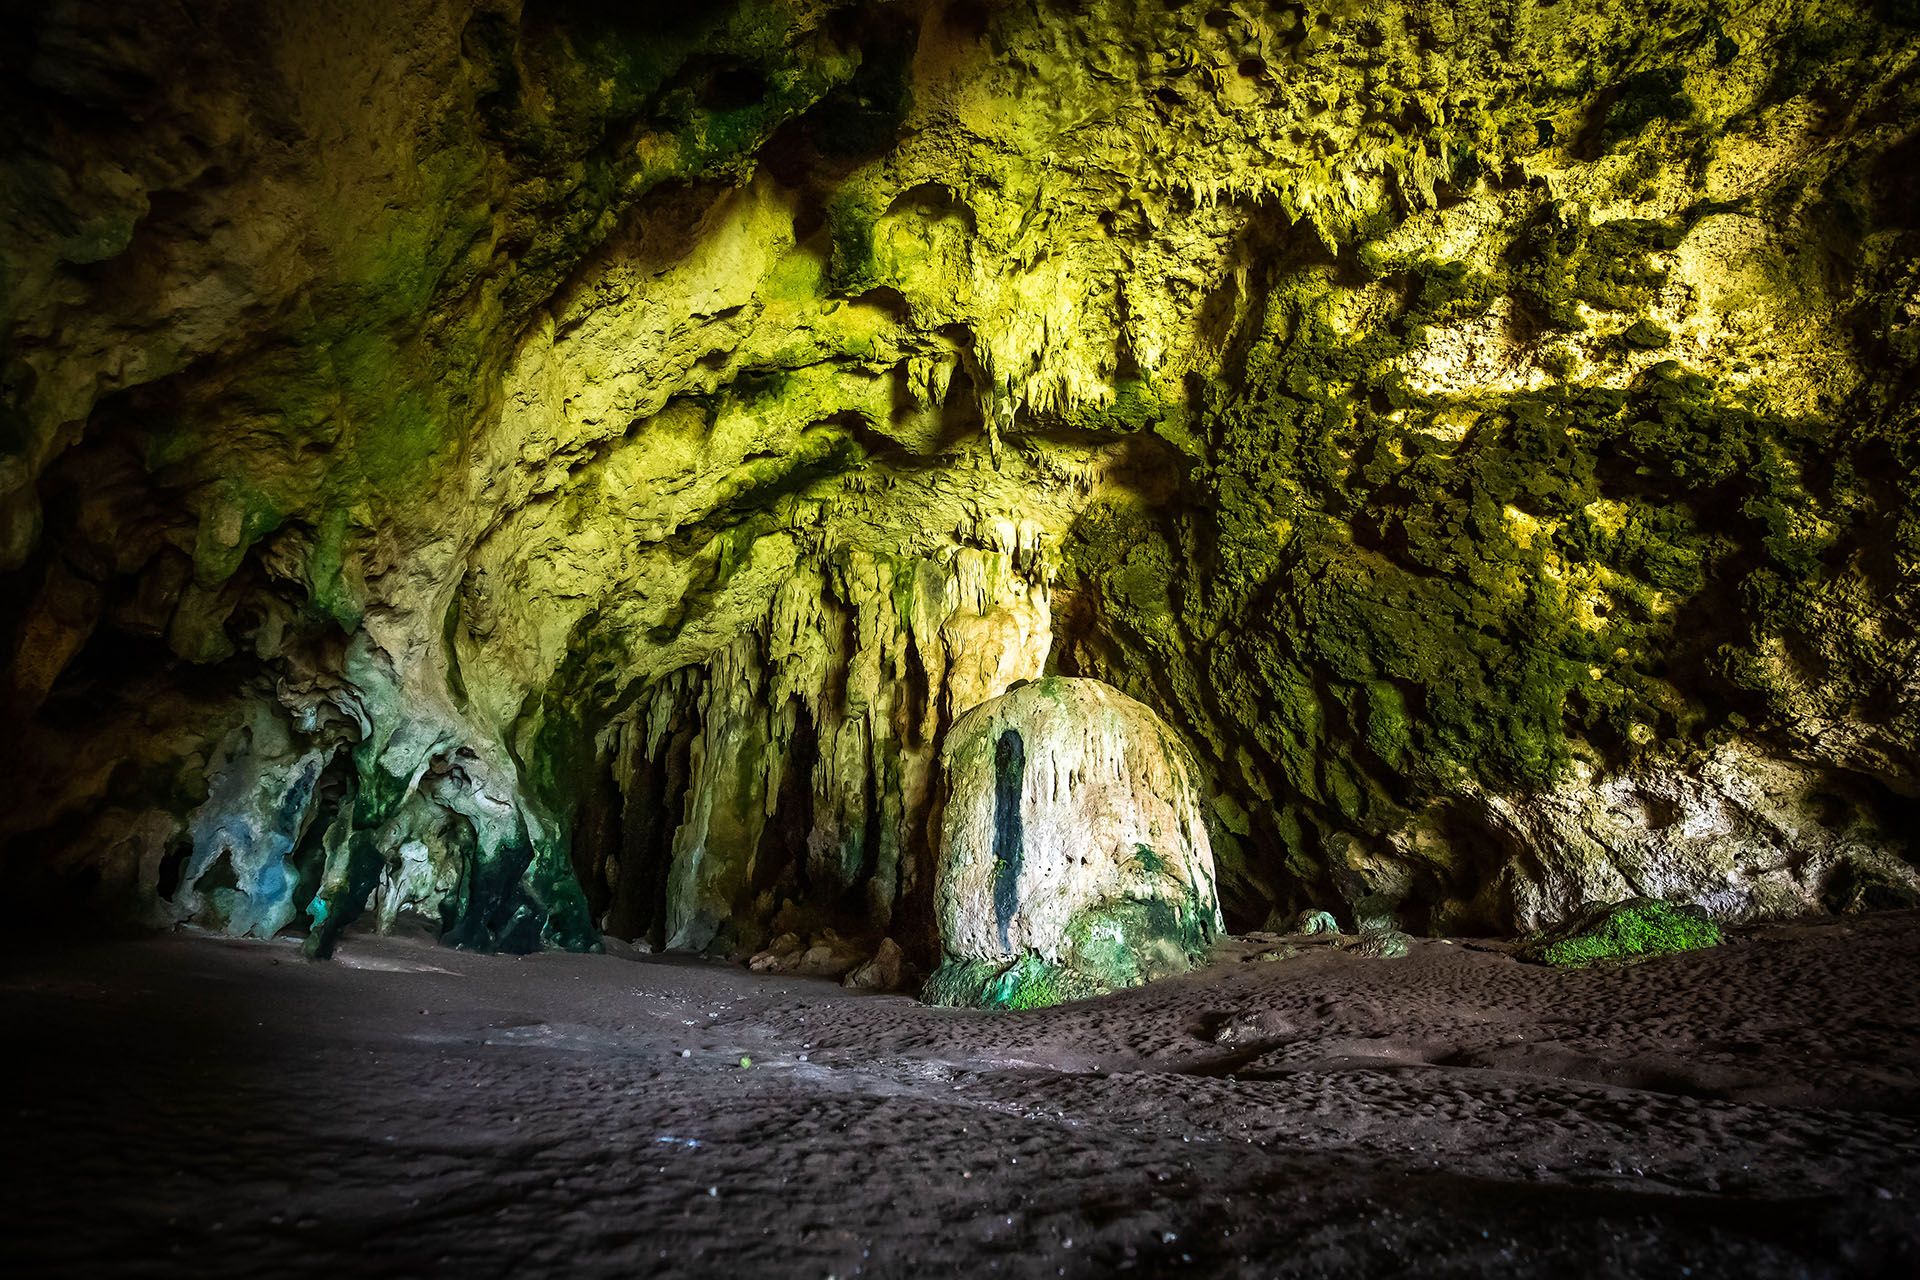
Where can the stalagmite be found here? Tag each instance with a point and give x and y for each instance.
(1073, 854)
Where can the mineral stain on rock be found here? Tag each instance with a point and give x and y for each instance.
(1009, 769)
(1111, 881)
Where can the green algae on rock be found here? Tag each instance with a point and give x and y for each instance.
(1627, 930)
(1382, 944)
(1312, 923)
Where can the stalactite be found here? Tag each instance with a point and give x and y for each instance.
(862, 658)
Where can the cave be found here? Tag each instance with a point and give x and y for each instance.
(1042, 637)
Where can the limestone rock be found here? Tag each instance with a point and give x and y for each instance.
(779, 956)
(1382, 944)
(1311, 923)
(755, 776)
(826, 955)
(1071, 838)
(242, 877)
(830, 956)
(1738, 831)
(886, 971)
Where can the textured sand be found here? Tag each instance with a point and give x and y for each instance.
(190, 1107)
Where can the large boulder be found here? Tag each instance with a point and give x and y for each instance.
(1073, 858)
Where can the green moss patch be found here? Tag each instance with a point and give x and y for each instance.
(1108, 948)
(1026, 983)
(1370, 594)
(1626, 930)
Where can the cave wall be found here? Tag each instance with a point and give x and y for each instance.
(550, 467)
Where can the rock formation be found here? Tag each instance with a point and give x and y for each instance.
(795, 766)
(1622, 931)
(1072, 833)
(545, 470)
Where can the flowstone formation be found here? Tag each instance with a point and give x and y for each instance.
(563, 469)
(1073, 855)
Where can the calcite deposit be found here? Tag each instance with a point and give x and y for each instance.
(545, 471)
(1073, 847)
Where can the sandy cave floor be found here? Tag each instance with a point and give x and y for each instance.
(192, 1107)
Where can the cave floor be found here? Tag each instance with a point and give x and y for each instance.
(187, 1106)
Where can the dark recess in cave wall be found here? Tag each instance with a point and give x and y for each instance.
(1009, 839)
